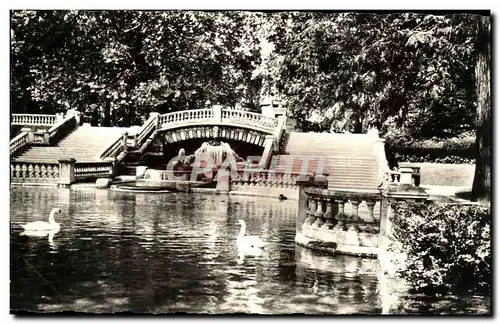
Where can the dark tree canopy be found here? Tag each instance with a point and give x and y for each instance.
(128, 63)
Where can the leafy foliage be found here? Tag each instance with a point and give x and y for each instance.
(125, 64)
(457, 150)
(447, 247)
(404, 73)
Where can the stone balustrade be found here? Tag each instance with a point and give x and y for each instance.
(36, 172)
(114, 149)
(18, 142)
(218, 116)
(266, 178)
(61, 126)
(64, 173)
(347, 220)
(249, 118)
(84, 171)
(33, 119)
(180, 117)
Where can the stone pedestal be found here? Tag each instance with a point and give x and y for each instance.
(66, 172)
(223, 182)
(124, 140)
(140, 171)
(102, 183)
(217, 113)
(59, 117)
(30, 136)
(406, 175)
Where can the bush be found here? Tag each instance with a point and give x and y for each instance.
(459, 149)
(447, 247)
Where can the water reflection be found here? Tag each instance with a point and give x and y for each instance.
(119, 251)
(49, 234)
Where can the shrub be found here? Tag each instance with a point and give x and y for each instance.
(459, 149)
(447, 247)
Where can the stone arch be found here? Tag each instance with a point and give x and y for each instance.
(211, 132)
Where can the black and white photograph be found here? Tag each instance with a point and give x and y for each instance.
(250, 162)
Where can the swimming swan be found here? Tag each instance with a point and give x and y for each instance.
(247, 242)
(51, 225)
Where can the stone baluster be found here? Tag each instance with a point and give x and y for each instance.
(340, 217)
(319, 213)
(312, 211)
(328, 215)
(371, 221)
(354, 219)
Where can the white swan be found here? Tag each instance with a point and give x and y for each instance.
(247, 242)
(51, 225)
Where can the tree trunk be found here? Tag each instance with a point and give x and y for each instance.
(481, 188)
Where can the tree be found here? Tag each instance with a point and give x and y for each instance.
(481, 188)
(117, 66)
(405, 73)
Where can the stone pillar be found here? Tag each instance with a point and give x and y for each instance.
(140, 170)
(59, 117)
(267, 153)
(124, 140)
(78, 118)
(217, 113)
(223, 182)
(134, 141)
(379, 152)
(46, 138)
(155, 115)
(29, 136)
(66, 172)
(406, 175)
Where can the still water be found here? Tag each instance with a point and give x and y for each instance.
(162, 253)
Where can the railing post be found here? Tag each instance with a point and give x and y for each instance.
(155, 115)
(59, 117)
(66, 172)
(124, 140)
(217, 113)
(406, 175)
(46, 138)
(29, 134)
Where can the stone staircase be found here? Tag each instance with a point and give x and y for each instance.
(83, 144)
(349, 158)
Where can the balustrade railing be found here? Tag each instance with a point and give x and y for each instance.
(342, 217)
(113, 150)
(266, 178)
(59, 128)
(92, 170)
(146, 130)
(249, 118)
(18, 142)
(33, 119)
(218, 115)
(47, 171)
(178, 117)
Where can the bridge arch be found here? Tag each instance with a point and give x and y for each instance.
(214, 132)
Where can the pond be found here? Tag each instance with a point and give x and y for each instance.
(176, 252)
